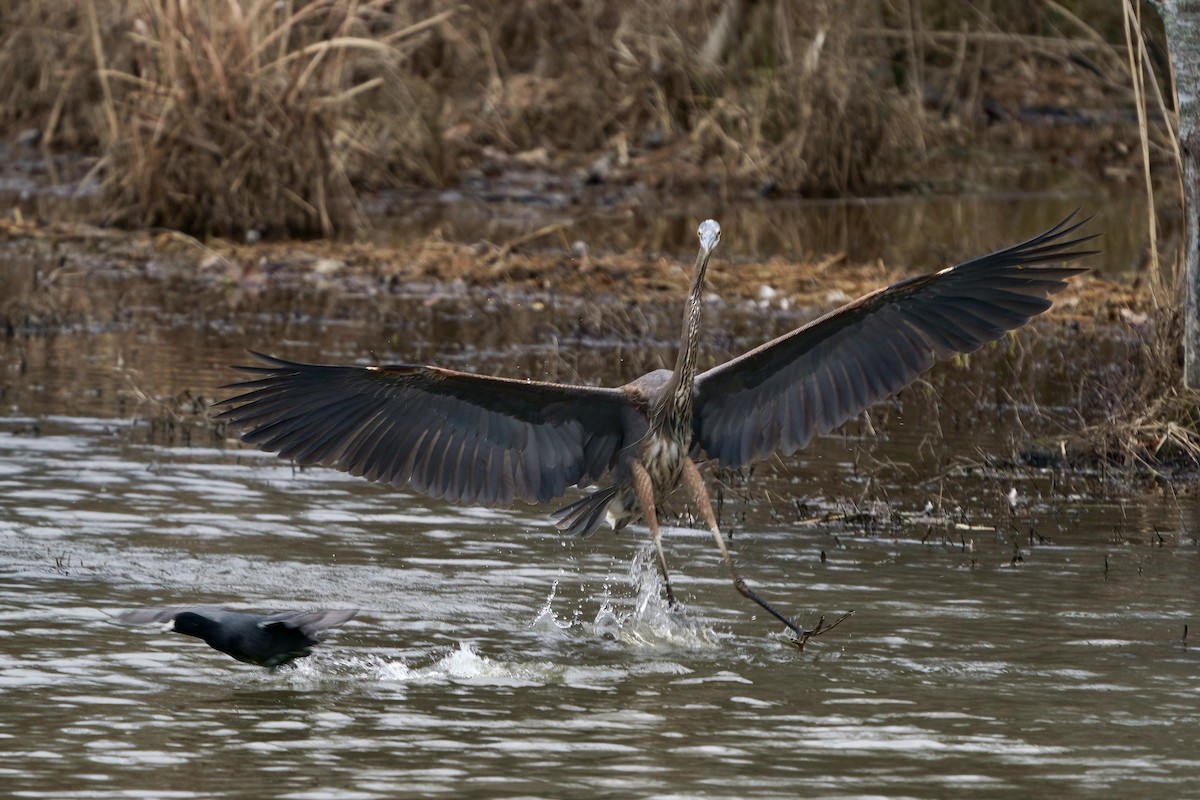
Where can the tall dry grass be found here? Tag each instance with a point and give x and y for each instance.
(225, 115)
(48, 79)
(234, 116)
(1155, 419)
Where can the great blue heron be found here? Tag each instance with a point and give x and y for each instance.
(268, 640)
(487, 440)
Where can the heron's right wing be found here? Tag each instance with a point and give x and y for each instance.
(465, 437)
(807, 382)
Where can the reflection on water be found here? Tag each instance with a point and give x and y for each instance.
(915, 234)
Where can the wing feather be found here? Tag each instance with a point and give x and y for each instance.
(457, 435)
(807, 382)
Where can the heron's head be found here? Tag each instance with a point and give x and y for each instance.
(709, 233)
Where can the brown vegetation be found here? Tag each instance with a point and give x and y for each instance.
(254, 115)
(1153, 420)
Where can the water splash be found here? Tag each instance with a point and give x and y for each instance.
(547, 621)
(653, 622)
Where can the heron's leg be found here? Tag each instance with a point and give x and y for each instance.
(699, 492)
(643, 488)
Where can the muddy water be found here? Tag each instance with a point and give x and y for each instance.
(909, 232)
(997, 649)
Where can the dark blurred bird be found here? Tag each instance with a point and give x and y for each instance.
(488, 440)
(266, 640)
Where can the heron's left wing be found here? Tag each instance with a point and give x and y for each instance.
(809, 381)
(473, 438)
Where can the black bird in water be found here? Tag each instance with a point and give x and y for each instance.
(266, 640)
(488, 440)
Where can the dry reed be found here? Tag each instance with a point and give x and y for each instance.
(249, 114)
(1152, 420)
(227, 119)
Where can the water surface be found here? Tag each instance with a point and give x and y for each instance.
(493, 657)
(1017, 631)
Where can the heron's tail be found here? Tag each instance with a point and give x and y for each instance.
(582, 517)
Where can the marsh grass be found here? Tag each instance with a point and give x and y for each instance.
(235, 115)
(1152, 420)
(227, 117)
(48, 79)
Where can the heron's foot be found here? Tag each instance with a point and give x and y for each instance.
(802, 634)
(806, 634)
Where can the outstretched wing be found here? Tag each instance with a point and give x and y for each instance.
(465, 437)
(809, 381)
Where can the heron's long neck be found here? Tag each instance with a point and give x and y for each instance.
(679, 395)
